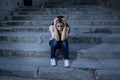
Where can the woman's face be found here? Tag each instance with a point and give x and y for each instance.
(59, 26)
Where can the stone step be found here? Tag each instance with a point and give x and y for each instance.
(101, 51)
(96, 64)
(37, 37)
(70, 22)
(69, 2)
(35, 66)
(81, 17)
(81, 7)
(101, 69)
(105, 69)
(68, 12)
(64, 8)
(89, 10)
(35, 54)
(27, 49)
(70, 5)
(73, 29)
(107, 74)
(3, 77)
(40, 68)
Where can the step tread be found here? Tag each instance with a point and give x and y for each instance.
(67, 20)
(104, 50)
(16, 78)
(108, 74)
(49, 16)
(48, 35)
(108, 64)
(29, 46)
(40, 68)
(81, 26)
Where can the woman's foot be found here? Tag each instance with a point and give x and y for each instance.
(53, 62)
(66, 63)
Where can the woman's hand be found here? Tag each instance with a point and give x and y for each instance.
(64, 21)
(55, 22)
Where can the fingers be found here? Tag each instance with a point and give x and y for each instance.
(63, 20)
(55, 20)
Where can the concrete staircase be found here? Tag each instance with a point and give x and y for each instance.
(94, 43)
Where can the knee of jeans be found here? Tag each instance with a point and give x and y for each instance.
(54, 43)
(64, 43)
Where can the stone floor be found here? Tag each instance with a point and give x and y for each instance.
(32, 68)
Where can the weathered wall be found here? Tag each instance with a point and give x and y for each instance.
(114, 4)
(110, 3)
(7, 6)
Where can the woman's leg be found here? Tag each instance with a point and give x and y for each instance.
(65, 49)
(53, 43)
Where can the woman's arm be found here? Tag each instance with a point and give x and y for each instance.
(63, 36)
(56, 34)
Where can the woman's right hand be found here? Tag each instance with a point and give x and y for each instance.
(55, 22)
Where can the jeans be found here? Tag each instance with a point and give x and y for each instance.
(59, 44)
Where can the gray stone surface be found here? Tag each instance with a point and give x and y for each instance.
(47, 23)
(41, 68)
(17, 78)
(65, 73)
(25, 35)
(96, 64)
(38, 17)
(86, 64)
(18, 70)
(110, 63)
(74, 29)
(29, 46)
(101, 51)
(107, 75)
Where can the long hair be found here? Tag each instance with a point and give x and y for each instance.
(60, 19)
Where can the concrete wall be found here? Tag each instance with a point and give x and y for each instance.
(114, 4)
(38, 2)
(110, 3)
(7, 6)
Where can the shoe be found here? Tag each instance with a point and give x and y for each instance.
(66, 63)
(53, 62)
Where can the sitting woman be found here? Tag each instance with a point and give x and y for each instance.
(59, 30)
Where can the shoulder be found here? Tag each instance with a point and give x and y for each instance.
(51, 28)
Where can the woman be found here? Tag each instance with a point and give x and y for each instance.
(59, 39)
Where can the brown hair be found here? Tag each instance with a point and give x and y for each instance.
(60, 20)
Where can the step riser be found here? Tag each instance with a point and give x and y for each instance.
(42, 40)
(107, 74)
(42, 50)
(71, 18)
(8, 53)
(80, 55)
(65, 13)
(94, 9)
(39, 23)
(73, 30)
(107, 55)
(45, 73)
(81, 7)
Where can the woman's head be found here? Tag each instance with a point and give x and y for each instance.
(59, 26)
(59, 19)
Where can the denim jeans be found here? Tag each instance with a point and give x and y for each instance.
(59, 44)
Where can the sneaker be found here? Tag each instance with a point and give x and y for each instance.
(66, 63)
(53, 62)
